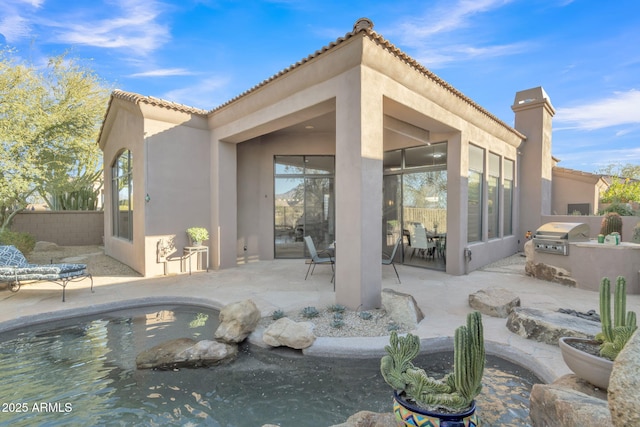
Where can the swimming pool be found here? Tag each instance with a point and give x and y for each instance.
(82, 372)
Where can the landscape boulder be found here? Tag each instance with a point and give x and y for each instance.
(185, 352)
(624, 385)
(402, 308)
(237, 321)
(286, 332)
(556, 405)
(494, 302)
(549, 326)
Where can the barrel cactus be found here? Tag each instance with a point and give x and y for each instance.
(611, 223)
(453, 393)
(613, 337)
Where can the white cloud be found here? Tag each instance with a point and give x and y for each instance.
(164, 72)
(439, 36)
(620, 109)
(14, 28)
(133, 26)
(204, 94)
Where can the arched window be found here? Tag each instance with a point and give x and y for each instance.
(122, 195)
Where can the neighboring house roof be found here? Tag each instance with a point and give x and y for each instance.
(363, 25)
(573, 173)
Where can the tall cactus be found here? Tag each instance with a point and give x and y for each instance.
(611, 222)
(614, 336)
(456, 390)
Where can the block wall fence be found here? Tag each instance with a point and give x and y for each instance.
(65, 228)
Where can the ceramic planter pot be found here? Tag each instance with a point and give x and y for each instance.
(411, 415)
(593, 369)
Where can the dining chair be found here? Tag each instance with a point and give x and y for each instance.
(390, 260)
(316, 258)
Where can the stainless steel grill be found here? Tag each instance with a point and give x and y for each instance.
(554, 237)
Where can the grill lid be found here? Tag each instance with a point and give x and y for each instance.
(570, 231)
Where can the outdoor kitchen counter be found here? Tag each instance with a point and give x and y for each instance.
(588, 262)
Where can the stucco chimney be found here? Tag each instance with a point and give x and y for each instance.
(533, 114)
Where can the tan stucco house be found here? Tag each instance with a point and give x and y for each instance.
(357, 143)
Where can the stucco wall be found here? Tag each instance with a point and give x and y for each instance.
(65, 228)
(573, 191)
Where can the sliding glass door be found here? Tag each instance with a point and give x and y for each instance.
(415, 204)
(304, 204)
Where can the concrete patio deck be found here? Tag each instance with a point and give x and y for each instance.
(280, 284)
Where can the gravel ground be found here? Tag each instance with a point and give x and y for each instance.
(349, 323)
(98, 264)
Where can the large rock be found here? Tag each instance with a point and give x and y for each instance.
(624, 385)
(549, 273)
(185, 352)
(286, 332)
(555, 405)
(207, 353)
(495, 302)
(369, 419)
(237, 321)
(548, 326)
(402, 308)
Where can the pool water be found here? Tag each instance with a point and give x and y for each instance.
(82, 372)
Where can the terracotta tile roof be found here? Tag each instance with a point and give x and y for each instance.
(151, 100)
(381, 41)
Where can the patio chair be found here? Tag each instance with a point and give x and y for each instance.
(389, 261)
(420, 242)
(14, 269)
(316, 258)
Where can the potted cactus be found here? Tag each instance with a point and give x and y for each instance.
(422, 400)
(592, 360)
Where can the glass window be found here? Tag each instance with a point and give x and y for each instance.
(304, 203)
(122, 196)
(475, 184)
(493, 196)
(392, 160)
(507, 221)
(415, 195)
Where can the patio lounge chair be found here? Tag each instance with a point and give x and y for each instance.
(15, 269)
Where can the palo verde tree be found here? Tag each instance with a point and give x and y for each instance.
(49, 122)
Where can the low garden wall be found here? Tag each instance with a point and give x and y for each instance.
(65, 228)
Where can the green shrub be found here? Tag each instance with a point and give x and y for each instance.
(337, 308)
(310, 312)
(365, 315)
(278, 314)
(620, 208)
(636, 234)
(25, 242)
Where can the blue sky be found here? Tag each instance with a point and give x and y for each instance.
(585, 53)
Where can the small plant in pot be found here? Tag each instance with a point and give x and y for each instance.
(592, 360)
(422, 400)
(197, 235)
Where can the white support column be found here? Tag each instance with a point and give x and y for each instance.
(359, 151)
(224, 205)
